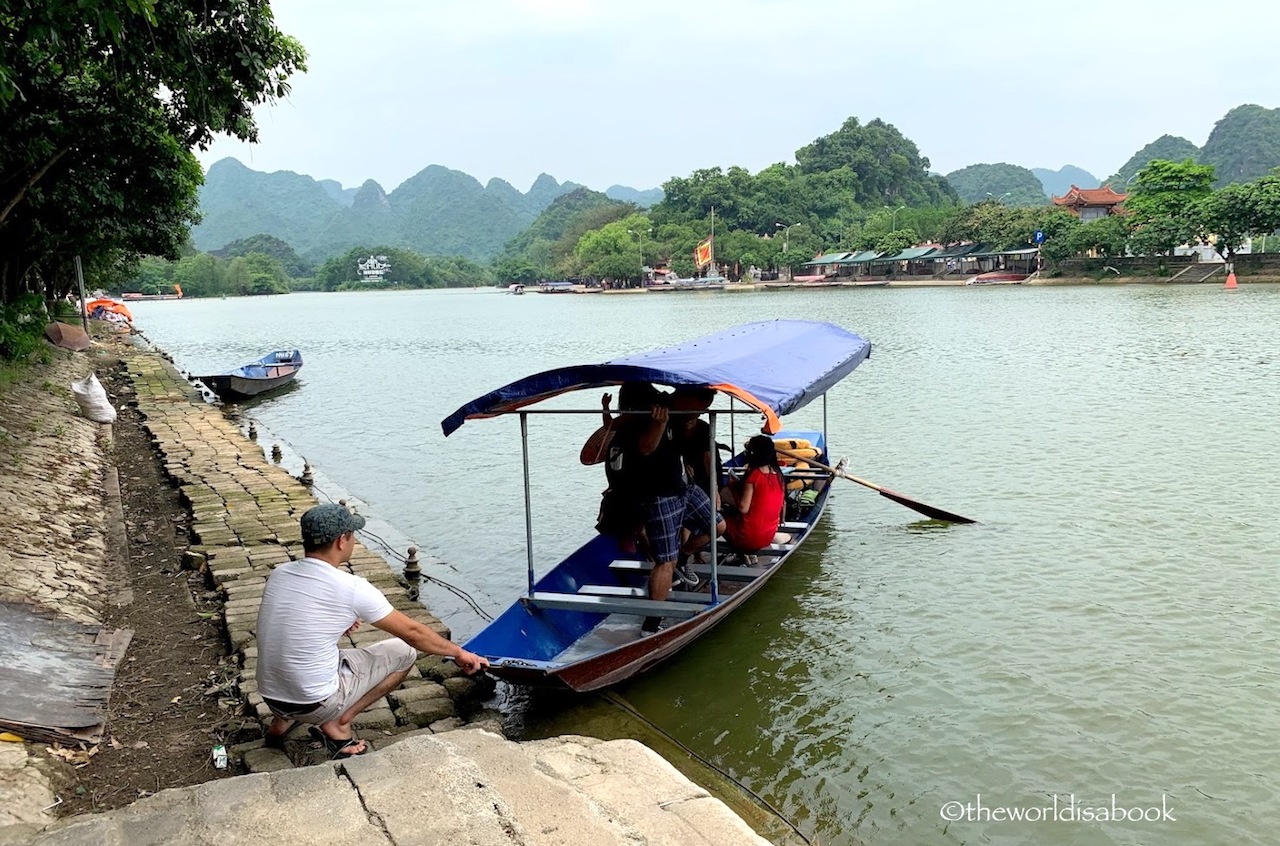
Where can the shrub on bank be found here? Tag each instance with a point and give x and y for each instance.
(22, 328)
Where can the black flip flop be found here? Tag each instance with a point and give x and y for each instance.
(337, 747)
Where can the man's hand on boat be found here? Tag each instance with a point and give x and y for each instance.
(469, 661)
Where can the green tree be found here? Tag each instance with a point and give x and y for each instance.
(1107, 236)
(100, 104)
(201, 275)
(895, 242)
(1165, 189)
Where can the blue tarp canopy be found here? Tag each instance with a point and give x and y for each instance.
(775, 366)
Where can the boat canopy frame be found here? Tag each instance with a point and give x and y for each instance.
(745, 363)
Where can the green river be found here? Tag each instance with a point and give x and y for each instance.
(1107, 637)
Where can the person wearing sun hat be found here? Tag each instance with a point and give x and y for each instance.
(306, 607)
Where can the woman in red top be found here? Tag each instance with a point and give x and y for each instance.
(758, 498)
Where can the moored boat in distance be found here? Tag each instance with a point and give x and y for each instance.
(997, 277)
(273, 370)
(578, 626)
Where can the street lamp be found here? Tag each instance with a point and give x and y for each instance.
(785, 229)
(1000, 199)
(640, 235)
(893, 220)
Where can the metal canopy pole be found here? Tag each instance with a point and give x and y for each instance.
(528, 498)
(733, 430)
(711, 484)
(824, 426)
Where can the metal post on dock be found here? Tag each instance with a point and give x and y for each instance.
(308, 477)
(412, 570)
(84, 313)
(277, 454)
(253, 431)
(528, 496)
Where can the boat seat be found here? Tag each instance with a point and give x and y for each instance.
(729, 572)
(642, 593)
(614, 605)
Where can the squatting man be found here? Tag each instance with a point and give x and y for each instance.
(307, 606)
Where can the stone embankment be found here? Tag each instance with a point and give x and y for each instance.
(245, 513)
(428, 782)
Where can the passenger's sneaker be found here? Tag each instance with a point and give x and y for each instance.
(650, 626)
(688, 578)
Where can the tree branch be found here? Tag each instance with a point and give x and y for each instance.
(35, 177)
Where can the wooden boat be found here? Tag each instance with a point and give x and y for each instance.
(578, 626)
(272, 371)
(997, 277)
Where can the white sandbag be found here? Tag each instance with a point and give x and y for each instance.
(92, 398)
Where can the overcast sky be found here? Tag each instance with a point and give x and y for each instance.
(605, 92)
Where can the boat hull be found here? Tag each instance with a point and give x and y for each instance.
(241, 387)
(272, 371)
(529, 644)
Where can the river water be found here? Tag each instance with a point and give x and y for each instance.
(1110, 627)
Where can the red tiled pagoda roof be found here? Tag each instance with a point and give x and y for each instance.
(1104, 196)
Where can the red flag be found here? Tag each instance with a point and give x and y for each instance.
(702, 254)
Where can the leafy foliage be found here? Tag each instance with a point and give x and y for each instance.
(1107, 236)
(271, 246)
(1165, 189)
(1169, 148)
(1002, 182)
(21, 328)
(1244, 144)
(100, 104)
(408, 270)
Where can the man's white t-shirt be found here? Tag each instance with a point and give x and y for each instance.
(306, 607)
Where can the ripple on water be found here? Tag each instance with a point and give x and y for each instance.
(1110, 627)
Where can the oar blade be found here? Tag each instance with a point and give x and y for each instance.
(927, 510)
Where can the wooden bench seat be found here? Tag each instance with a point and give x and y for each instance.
(641, 593)
(728, 572)
(614, 605)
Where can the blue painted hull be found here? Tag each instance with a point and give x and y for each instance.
(586, 650)
(273, 370)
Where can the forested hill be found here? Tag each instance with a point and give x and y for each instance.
(1169, 148)
(1006, 183)
(1244, 145)
(435, 212)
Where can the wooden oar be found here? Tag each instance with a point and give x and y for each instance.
(914, 505)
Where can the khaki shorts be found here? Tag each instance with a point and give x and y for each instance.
(360, 671)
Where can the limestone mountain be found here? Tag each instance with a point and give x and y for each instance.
(1170, 148)
(438, 211)
(1056, 183)
(1006, 183)
(642, 199)
(1244, 145)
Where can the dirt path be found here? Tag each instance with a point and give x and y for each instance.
(166, 710)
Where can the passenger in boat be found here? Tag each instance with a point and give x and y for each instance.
(753, 504)
(307, 606)
(646, 456)
(620, 514)
(694, 434)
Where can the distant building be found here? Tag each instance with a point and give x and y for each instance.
(1091, 203)
(373, 268)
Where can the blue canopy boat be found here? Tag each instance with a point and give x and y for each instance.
(578, 626)
(271, 371)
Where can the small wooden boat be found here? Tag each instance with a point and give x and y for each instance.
(578, 626)
(272, 371)
(998, 277)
